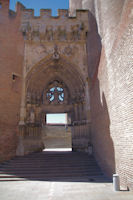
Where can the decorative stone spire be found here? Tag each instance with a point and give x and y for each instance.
(56, 55)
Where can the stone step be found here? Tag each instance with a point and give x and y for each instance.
(51, 166)
(46, 167)
(46, 156)
(60, 169)
(48, 176)
(51, 172)
(70, 179)
(52, 159)
(48, 164)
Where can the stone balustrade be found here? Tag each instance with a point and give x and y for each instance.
(80, 135)
(30, 130)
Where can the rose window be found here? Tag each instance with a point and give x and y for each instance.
(55, 95)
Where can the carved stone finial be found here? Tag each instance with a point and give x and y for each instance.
(56, 55)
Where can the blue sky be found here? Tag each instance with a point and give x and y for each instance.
(38, 4)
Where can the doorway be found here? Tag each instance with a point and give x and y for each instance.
(56, 133)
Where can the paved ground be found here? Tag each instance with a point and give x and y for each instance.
(41, 190)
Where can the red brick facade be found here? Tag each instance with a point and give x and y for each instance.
(11, 61)
(112, 91)
(111, 88)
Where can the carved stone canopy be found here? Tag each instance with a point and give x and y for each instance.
(74, 33)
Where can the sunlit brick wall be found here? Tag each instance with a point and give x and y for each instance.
(112, 90)
(11, 59)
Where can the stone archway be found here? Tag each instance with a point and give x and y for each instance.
(54, 87)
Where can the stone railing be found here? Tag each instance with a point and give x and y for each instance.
(80, 135)
(30, 130)
(30, 139)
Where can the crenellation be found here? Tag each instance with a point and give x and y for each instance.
(28, 14)
(4, 4)
(81, 13)
(5, 11)
(19, 7)
(62, 13)
(45, 13)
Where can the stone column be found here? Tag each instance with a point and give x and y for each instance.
(76, 112)
(20, 147)
(69, 118)
(87, 96)
(81, 112)
(23, 95)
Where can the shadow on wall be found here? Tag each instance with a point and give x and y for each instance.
(94, 46)
(100, 130)
(101, 138)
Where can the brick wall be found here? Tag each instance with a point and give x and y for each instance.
(112, 91)
(112, 85)
(11, 59)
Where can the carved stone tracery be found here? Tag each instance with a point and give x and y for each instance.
(55, 93)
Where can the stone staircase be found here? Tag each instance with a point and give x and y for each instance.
(52, 166)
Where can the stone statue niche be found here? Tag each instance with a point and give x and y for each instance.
(49, 33)
(75, 32)
(30, 116)
(61, 33)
